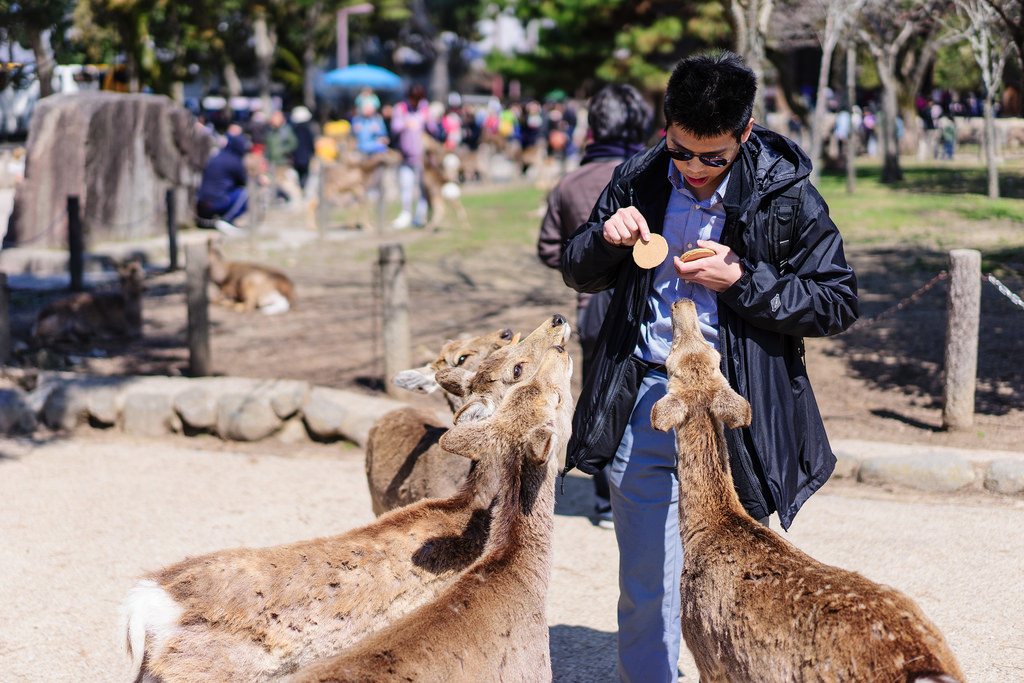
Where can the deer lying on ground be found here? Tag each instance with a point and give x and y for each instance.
(93, 316)
(404, 462)
(755, 608)
(253, 614)
(251, 286)
(490, 625)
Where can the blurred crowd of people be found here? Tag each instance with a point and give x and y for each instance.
(287, 143)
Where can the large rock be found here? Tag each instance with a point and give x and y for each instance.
(118, 154)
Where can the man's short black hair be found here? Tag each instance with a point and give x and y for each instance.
(710, 94)
(619, 112)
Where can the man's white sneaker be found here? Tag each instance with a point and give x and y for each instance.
(404, 220)
(228, 228)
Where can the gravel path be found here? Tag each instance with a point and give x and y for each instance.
(80, 519)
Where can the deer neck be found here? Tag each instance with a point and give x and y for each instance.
(526, 509)
(706, 491)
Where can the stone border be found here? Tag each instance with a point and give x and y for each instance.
(232, 408)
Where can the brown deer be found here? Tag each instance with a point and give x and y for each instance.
(403, 460)
(254, 614)
(92, 316)
(754, 607)
(354, 175)
(490, 624)
(251, 286)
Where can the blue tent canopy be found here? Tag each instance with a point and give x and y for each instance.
(363, 75)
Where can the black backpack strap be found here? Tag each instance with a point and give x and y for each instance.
(782, 216)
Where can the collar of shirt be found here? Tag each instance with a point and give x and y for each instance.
(676, 178)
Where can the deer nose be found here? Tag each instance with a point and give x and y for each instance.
(557, 320)
(506, 333)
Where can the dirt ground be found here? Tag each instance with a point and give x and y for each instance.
(880, 381)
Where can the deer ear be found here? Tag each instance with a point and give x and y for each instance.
(731, 408)
(668, 412)
(417, 379)
(454, 380)
(541, 444)
(474, 411)
(468, 440)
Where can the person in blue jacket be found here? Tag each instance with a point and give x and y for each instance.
(713, 181)
(222, 194)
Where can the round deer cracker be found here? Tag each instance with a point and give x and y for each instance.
(698, 253)
(652, 253)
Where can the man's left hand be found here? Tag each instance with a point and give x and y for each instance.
(717, 272)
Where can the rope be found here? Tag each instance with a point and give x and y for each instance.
(1004, 290)
(63, 214)
(898, 307)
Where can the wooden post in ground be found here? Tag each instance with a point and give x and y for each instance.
(76, 244)
(963, 314)
(320, 214)
(5, 321)
(172, 230)
(197, 276)
(395, 313)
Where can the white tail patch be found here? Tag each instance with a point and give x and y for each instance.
(274, 303)
(148, 610)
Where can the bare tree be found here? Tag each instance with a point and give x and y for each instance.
(837, 18)
(750, 19)
(903, 37)
(1011, 14)
(982, 28)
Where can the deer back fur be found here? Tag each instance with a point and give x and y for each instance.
(754, 607)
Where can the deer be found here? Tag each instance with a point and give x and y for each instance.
(354, 174)
(257, 613)
(92, 316)
(250, 286)
(404, 462)
(754, 607)
(490, 624)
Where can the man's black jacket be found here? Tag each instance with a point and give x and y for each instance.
(784, 456)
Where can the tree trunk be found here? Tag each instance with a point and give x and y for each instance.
(309, 57)
(891, 171)
(265, 44)
(231, 80)
(990, 146)
(818, 124)
(41, 50)
(750, 20)
(439, 81)
(851, 102)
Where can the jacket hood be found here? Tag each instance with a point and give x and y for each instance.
(776, 160)
(239, 144)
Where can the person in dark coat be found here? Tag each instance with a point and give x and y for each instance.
(619, 122)
(710, 182)
(222, 192)
(305, 147)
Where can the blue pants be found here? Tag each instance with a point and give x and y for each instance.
(645, 498)
(233, 206)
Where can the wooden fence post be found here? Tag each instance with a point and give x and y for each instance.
(5, 321)
(76, 244)
(395, 313)
(172, 229)
(197, 275)
(963, 313)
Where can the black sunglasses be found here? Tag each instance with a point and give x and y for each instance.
(683, 155)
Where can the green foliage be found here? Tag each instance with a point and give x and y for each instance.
(957, 70)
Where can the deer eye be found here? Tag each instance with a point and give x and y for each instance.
(517, 371)
(462, 359)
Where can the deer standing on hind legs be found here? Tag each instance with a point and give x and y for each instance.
(257, 613)
(754, 607)
(490, 624)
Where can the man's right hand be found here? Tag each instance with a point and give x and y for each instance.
(625, 227)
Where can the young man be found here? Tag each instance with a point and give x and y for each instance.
(711, 182)
(619, 122)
